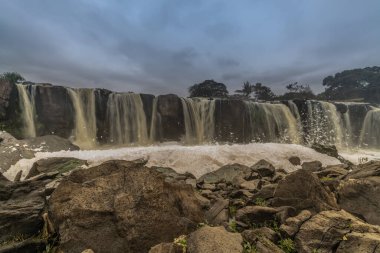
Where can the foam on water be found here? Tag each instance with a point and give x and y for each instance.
(197, 160)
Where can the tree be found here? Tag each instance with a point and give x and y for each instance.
(12, 77)
(247, 89)
(208, 88)
(263, 92)
(353, 84)
(297, 91)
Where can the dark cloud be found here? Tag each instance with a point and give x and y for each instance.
(164, 46)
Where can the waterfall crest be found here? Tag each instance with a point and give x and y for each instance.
(26, 102)
(370, 133)
(126, 119)
(271, 123)
(85, 117)
(199, 120)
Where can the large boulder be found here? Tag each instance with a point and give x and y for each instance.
(360, 193)
(303, 190)
(121, 206)
(337, 231)
(214, 240)
(21, 207)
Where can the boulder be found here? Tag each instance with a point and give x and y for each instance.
(59, 164)
(256, 214)
(21, 207)
(303, 190)
(292, 225)
(122, 204)
(331, 230)
(226, 174)
(214, 240)
(266, 192)
(166, 248)
(253, 235)
(295, 160)
(312, 166)
(264, 168)
(215, 210)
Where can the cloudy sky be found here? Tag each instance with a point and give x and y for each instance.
(164, 46)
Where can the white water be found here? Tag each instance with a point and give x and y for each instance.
(126, 119)
(271, 123)
(324, 124)
(27, 110)
(194, 159)
(85, 118)
(199, 120)
(370, 133)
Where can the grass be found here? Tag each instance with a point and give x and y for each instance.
(182, 242)
(326, 179)
(260, 202)
(249, 248)
(287, 245)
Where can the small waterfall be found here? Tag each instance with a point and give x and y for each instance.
(85, 117)
(26, 101)
(199, 120)
(370, 133)
(348, 128)
(126, 118)
(271, 123)
(324, 124)
(155, 125)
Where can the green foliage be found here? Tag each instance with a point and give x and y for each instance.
(249, 248)
(182, 242)
(325, 179)
(208, 88)
(263, 92)
(12, 77)
(260, 202)
(354, 83)
(287, 245)
(297, 91)
(232, 210)
(232, 225)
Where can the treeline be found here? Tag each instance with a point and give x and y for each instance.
(362, 85)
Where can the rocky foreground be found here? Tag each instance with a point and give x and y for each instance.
(125, 206)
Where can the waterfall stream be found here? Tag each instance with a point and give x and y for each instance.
(370, 134)
(85, 117)
(26, 101)
(126, 119)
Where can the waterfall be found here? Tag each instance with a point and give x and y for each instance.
(199, 120)
(126, 119)
(324, 124)
(155, 125)
(370, 133)
(271, 123)
(26, 101)
(85, 117)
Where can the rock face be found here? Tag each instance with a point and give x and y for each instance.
(7, 92)
(122, 204)
(337, 231)
(360, 194)
(214, 239)
(303, 190)
(226, 174)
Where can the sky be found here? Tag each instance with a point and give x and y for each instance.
(165, 46)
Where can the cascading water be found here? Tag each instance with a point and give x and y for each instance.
(26, 102)
(324, 124)
(271, 123)
(126, 119)
(199, 120)
(370, 133)
(155, 125)
(85, 117)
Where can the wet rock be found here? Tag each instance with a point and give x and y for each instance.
(312, 166)
(256, 214)
(303, 190)
(266, 192)
(18, 176)
(214, 239)
(122, 204)
(226, 174)
(59, 164)
(330, 230)
(295, 160)
(334, 171)
(329, 150)
(264, 168)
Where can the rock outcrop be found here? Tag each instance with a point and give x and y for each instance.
(122, 204)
